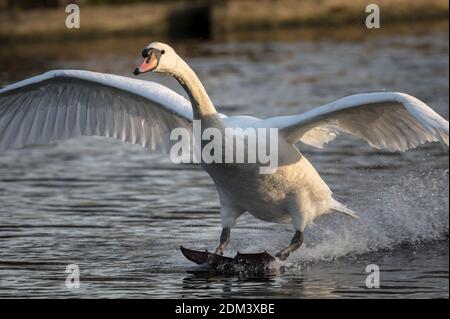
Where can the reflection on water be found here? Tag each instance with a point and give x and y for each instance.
(121, 213)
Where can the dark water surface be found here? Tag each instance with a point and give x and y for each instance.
(120, 212)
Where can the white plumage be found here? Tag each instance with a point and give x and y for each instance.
(64, 104)
(386, 120)
(68, 103)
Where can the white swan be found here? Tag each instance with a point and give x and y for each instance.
(63, 104)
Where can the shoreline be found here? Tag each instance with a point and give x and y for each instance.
(209, 19)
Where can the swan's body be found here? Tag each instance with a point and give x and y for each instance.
(276, 197)
(64, 104)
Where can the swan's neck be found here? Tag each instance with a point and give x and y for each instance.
(201, 103)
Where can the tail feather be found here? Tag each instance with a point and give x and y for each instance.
(340, 208)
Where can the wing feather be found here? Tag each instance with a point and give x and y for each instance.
(8, 124)
(387, 120)
(64, 104)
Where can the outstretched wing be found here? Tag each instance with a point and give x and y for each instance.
(387, 120)
(63, 104)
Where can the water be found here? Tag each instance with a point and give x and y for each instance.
(120, 213)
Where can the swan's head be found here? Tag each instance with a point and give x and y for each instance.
(158, 57)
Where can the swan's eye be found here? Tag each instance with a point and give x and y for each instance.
(163, 51)
(145, 53)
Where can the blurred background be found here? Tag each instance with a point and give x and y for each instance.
(121, 212)
(207, 19)
(121, 26)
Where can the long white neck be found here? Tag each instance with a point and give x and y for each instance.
(201, 103)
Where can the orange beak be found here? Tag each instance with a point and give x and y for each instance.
(149, 64)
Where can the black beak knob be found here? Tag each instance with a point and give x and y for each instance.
(136, 71)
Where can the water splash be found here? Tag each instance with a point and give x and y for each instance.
(411, 212)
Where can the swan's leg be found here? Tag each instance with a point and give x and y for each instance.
(224, 240)
(299, 223)
(296, 242)
(229, 213)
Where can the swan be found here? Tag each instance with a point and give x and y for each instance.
(64, 104)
